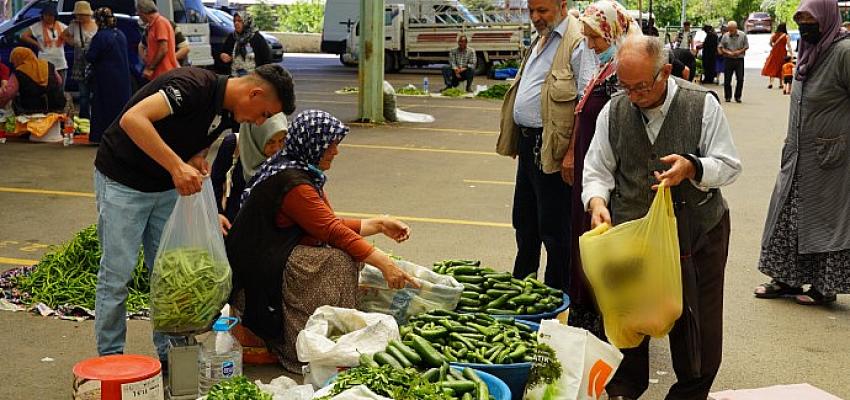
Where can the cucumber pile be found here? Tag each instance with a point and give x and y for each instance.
(439, 336)
(499, 293)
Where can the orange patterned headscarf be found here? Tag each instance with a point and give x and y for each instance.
(25, 62)
(608, 19)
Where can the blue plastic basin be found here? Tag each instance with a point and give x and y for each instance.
(514, 375)
(498, 389)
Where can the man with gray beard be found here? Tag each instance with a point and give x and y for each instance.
(537, 122)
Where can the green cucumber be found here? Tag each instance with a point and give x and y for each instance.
(384, 358)
(428, 353)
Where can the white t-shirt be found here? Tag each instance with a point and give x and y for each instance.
(55, 52)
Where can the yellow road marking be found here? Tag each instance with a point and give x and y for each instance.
(447, 221)
(48, 192)
(17, 261)
(407, 105)
(414, 128)
(504, 183)
(430, 220)
(429, 150)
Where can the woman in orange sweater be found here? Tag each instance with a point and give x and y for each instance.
(289, 251)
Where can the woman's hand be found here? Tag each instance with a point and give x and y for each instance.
(396, 278)
(395, 229)
(225, 224)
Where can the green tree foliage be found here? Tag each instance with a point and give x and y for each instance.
(303, 16)
(486, 5)
(265, 17)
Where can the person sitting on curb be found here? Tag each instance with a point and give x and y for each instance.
(461, 66)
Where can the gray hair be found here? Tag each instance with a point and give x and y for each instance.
(644, 47)
(146, 6)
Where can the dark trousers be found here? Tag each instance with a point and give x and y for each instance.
(631, 379)
(736, 66)
(452, 80)
(541, 215)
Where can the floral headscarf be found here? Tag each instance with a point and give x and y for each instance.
(248, 31)
(829, 21)
(310, 134)
(103, 18)
(608, 19)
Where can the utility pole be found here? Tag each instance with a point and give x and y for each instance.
(371, 69)
(684, 6)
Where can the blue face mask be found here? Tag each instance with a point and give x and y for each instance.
(607, 55)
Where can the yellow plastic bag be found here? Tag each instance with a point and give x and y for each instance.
(635, 272)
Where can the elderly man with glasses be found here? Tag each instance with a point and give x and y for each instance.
(662, 129)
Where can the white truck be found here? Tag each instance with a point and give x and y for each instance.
(422, 32)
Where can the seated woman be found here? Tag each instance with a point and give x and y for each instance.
(237, 161)
(289, 252)
(34, 87)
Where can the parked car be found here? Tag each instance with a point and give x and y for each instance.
(221, 25)
(11, 31)
(758, 22)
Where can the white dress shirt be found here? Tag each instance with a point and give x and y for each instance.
(719, 157)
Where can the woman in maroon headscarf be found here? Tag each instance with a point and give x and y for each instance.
(807, 233)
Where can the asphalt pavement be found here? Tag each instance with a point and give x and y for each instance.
(456, 193)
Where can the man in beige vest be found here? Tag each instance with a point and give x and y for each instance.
(537, 122)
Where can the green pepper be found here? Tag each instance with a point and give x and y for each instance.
(496, 311)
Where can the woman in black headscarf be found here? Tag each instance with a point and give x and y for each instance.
(709, 55)
(807, 233)
(245, 49)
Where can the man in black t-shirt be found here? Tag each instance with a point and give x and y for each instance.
(154, 151)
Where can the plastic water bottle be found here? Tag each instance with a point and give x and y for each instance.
(220, 357)
(425, 85)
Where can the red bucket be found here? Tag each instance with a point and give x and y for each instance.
(118, 377)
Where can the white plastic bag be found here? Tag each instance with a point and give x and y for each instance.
(362, 333)
(436, 292)
(356, 393)
(407, 116)
(191, 276)
(587, 363)
(284, 388)
(389, 102)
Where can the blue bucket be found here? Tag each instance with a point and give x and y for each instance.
(514, 375)
(540, 317)
(498, 389)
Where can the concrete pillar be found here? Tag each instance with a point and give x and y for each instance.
(371, 69)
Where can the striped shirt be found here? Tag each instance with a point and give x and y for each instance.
(465, 59)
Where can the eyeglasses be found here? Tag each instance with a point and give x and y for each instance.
(643, 88)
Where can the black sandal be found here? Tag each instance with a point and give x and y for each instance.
(813, 297)
(775, 289)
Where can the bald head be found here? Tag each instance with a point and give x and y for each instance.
(642, 69)
(638, 49)
(732, 26)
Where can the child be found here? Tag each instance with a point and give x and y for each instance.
(787, 75)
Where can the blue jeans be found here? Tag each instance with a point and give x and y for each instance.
(126, 219)
(85, 100)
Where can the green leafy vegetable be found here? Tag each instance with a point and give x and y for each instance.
(67, 275)
(496, 91)
(237, 388)
(453, 92)
(411, 90)
(397, 384)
